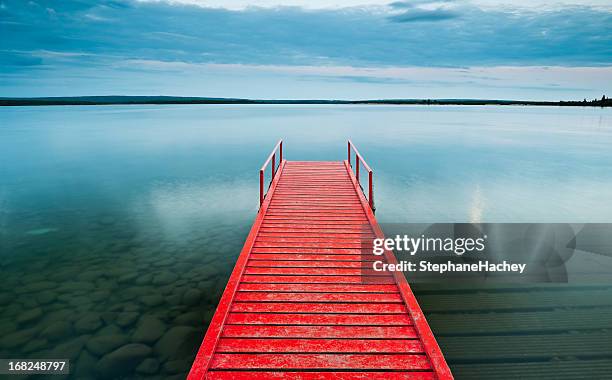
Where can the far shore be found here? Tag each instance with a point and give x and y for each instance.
(143, 100)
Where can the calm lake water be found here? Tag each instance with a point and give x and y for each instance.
(119, 225)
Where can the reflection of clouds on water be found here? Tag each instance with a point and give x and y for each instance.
(477, 206)
(522, 197)
(181, 208)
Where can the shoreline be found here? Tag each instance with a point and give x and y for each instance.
(163, 100)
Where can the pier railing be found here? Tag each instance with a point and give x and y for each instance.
(358, 162)
(274, 168)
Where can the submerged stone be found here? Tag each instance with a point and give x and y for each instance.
(126, 319)
(149, 330)
(192, 297)
(17, 338)
(34, 345)
(193, 318)
(56, 330)
(70, 350)
(178, 342)
(177, 366)
(122, 361)
(152, 300)
(29, 316)
(46, 297)
(89, 323)
(164, 278)
(101, 345)
(148, 366)
(83, 369)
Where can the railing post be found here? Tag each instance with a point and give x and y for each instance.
(358, 161)
(261, 187)
(371, 197)
(273, 166)
(349, 152)
(281, 153)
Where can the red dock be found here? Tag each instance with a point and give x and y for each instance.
(298, 305)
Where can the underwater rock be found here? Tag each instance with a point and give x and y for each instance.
(5, 298)
(36, 287)
(83, 368)
(126, 319)
(164, 278)
(103, 344)
(192, 297)
(18, 338)
(89, 323)
(149, 330)
(152, 300)
(7, 326)
(46, 297)
(71, 349)
(30, 315)
(122, 361)
(174, 299)
(193, 318)
(148, 366)
(177, 342)
(177, 366)
(34, 345)
(144, 279)
(90, 275)
(127, 278)
(109, 330)
(56, 330)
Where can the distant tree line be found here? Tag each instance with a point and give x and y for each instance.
(603, 102)
(115, 100)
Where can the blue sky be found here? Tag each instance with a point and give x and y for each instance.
(307, 49)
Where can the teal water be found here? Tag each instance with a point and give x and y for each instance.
(120, 225)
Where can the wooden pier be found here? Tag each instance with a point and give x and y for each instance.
(299, 304)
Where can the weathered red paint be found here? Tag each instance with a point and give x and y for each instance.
(299, 303)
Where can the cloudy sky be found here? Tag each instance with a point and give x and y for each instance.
(359, 49)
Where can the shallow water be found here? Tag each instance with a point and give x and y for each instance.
(119, 225)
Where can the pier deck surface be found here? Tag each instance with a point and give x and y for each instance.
(298, 304)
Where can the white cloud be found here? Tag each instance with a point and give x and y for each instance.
(336, 4)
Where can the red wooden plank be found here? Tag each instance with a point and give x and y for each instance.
(319, 319)
(314, 234)
(270, 345)
(317, 297)
(343, 288)
(337, 332)
(314, 271)
(318, 279)
(317, 216)
(314, 213)
(318, 259)
(302, 239)
(304, 307)
(320, 361)
(318, 245)
(309, 264)
(299, 229)
(313, 223)
(330, 251)
(313, 227)
(362, 375)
